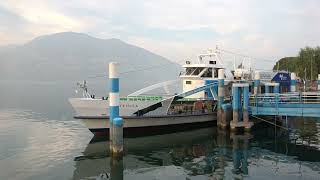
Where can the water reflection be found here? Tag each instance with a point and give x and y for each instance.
(240, 153)
(207, 153)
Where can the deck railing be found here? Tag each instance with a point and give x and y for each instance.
(288, 98)
(291, 104)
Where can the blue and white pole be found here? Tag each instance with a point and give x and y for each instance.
(318, 81)
(293, 82)
(117, 149)
(113, 98)
(221, 94)
(246, 106)
(256, 89)
(235, 105)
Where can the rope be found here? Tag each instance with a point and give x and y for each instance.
(170, 62)
(243, 55)
(135, 70)
(288, 129)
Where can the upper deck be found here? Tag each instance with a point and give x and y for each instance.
(206, 68)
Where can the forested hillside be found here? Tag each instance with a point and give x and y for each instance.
(307, 63)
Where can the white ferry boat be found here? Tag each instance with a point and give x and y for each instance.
(196, 104)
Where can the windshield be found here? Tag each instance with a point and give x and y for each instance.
(207, 73)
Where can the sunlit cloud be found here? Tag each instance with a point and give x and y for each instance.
(175, 29)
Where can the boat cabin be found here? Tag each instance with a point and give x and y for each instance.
(205, 71)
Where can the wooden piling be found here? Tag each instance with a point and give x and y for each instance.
(117, 146)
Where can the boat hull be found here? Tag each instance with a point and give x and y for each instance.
(100, 124)
(88, 107)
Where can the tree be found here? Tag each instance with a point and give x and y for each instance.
(308, 58)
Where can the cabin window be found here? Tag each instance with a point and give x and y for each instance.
(212, 62)
(207, 73)
(188, 82)
(216, 73)
(194, 71)
(190, 70)
(198, 71)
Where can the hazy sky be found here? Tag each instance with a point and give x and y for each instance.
(173, 29)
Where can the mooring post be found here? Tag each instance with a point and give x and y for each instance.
(235, 106)
(318, 82)
(245, 112)
(117, 146)
(113, 98)
(220, 96)
(116, 169)
(293, 82)
(266, 88)
(226, 115)
(256, 89)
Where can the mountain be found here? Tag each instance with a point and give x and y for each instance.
(73, 57)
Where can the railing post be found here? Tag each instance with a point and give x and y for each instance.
(256, 89)
(276, 89)
(276, 99)
(293, 82)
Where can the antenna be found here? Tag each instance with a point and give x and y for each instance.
(84, 88)
(234, 63)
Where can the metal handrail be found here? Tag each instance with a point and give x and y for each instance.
(290, 98)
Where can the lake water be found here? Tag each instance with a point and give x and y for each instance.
(39, 139)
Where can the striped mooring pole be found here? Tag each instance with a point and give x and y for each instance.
(293, 82)
(221, 95)
(245, 111)
(235, 106)
(113, 98)
(117, 146)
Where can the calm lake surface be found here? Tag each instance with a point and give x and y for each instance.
(39, 139)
